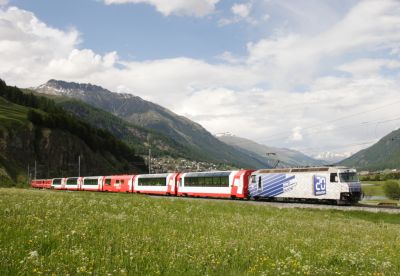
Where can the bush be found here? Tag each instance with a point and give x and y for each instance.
(392, 189)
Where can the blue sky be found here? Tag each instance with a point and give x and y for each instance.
(280, 72)
(138, 31)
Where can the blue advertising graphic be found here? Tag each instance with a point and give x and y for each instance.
(319, 185)
(271, 185)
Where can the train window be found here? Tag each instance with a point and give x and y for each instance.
(216, 181)
(224, 181)
(161, 181)
(219, 181)
(208, 181)
(72, 181)
(108, 181)
(253, 179)
(259, 186)
(90, 181)
(334, 177)
(57, 181)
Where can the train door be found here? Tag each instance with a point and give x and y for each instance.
(171, 183)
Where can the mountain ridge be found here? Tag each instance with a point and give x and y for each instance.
(133, 109)
(286, 157)
(191, 135)
(384, 154)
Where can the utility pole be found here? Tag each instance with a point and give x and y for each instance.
(149, 161)
(29, 177)
(79, 165)
(35, 169)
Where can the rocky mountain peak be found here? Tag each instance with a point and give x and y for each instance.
(58, 87)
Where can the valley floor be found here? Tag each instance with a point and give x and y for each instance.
(45, 232)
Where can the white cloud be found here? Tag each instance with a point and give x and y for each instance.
(251, 95)
(293, 59)
(241, 10)
(368, 66)
(82, 63)
(3, 2)
(296, 134)
(28, 46)
(198, 8)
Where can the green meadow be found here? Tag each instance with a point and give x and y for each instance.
(59, 232)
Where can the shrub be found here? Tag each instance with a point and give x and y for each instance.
(392, 189)
(376, 177)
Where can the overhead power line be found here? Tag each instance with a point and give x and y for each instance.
(238, 143)
(341, 147)
(284, 133)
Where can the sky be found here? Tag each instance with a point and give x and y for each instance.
(319, 76)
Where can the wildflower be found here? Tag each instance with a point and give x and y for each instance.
(33, 254)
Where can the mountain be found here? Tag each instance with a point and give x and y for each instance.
(34, 129)
(136, 136)
(197, 142)
(385, 154)
(286, 157)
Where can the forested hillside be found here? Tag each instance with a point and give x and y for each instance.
(385, 154)
(35, 129)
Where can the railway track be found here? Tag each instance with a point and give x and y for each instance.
(284, 205)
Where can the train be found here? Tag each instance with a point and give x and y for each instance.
(338, 185)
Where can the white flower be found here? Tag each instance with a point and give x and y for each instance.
(33, 254)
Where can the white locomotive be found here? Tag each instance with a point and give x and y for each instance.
(337, 184)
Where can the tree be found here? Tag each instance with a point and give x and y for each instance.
(392, 189)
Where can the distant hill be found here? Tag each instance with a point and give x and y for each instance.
(287, 157)
(191, 139)
(35, 129)
(385, 154)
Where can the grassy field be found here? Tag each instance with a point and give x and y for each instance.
(375, 189)
(11, 114)
(45, 232)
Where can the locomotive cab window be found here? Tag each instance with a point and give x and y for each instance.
(348, 177)
(334, 177)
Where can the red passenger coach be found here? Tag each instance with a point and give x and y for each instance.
(160, 184)
(73, 183)
(226, 184)
(41, 183)
(58, 183)
(92, 183)
(118, 183)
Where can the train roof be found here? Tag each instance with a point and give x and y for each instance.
(208, 174)
(158, 175)
(305, 169)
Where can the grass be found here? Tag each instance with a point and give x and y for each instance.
(45, 232)
(12, 114)
(375, 188)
